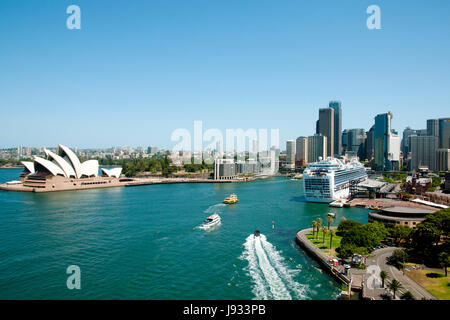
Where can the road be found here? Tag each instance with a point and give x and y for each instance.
(380, 259)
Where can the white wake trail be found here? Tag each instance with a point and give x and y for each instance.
(249, 254)
(216, 208)
(286, 274)
(276, 285)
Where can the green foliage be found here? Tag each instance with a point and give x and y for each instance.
(368, 235)
(345, 251)
(400, 234)
(347, 225)
(407, 296)
(394, 286)
(397, 258)
(431, 238)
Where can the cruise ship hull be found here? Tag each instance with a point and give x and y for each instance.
(338, 195)
(329, 180)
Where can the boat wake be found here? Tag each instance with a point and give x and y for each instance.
(210, 228)
(272, 277)
(217, 208)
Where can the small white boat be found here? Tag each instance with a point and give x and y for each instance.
(336, 204)
(211, 221)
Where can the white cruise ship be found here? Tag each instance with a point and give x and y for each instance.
(329, 180)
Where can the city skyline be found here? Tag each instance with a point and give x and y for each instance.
(106, 85)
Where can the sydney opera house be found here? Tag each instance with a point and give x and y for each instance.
(63, 171)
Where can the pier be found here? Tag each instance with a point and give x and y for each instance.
(337, 272)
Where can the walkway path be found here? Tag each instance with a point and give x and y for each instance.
(380, 259)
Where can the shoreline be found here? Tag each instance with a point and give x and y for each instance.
(321, 257)
(81, 184)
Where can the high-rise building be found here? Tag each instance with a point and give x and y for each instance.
(301, 151)
(423, 152)
(290, 154)
(443, 159)
(444, 133)
(219, 148)
(336, 106)
(317, 147)
(387, 141)
(326, 128)
(355, 142)
(224, 169)
(370, 143)
(433, 127)
(422, 132)
(405, 141)
(344, 140)
(152, 150)
(255, 147)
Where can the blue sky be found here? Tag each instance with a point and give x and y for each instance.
(137, 70)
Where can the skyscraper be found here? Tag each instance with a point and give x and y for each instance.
(387, 141)
(355, 142)
(326, 128)
(443, 159)
(290, 154)
(370, 143)
(336, 106)
(301, 151)
(444, 133)
(433, 127)
(423, 152)
(405, 141)
(344, 140)
(317, 147)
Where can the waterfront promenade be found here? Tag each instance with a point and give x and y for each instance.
(336, 271)
(357, 278)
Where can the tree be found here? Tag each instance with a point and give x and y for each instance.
(397, 258)
(330, 220)
(432, 237)
(347, 225)
(383, 276)
(332, 233)
(407, 296)
(394, 286)
(324, 232)
(400, 233)
(444, 260)
(314, 225)
(319, 225)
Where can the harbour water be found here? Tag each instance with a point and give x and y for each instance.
(145, 242)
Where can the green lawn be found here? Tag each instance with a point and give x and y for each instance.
(438, 287)
(325, 246)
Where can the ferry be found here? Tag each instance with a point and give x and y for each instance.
(231, 199)
(329, 180)
(211, 221)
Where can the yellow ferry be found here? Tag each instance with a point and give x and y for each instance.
(231, 199)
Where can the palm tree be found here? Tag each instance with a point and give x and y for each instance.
(407, 296)
(330, 219)
(394, 286)
(314, 225)
(324, 231)
(383, 276)
(332, 233)
(319, 224)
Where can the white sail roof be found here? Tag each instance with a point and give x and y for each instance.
(65, 166)
(115, 172)
(50, 166)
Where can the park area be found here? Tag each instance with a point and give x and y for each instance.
(435, 282)
(323, 243)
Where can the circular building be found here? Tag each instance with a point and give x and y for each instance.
(392, 216)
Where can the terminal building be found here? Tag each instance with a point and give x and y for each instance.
(392, 216)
